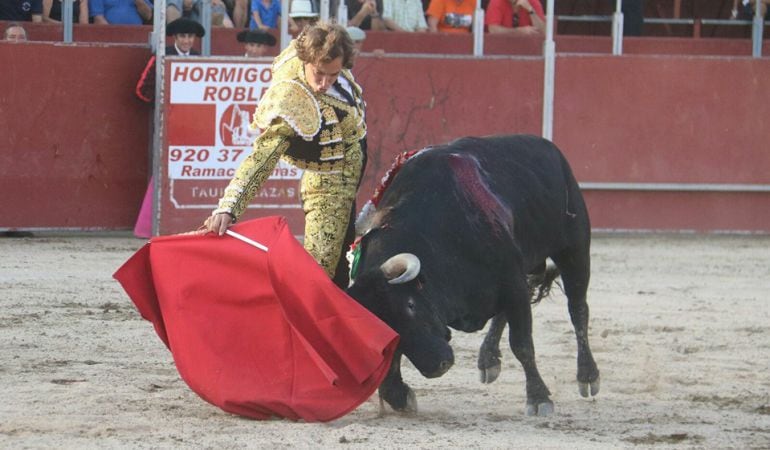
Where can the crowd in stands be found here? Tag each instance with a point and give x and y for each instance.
(514, 17)
(523, 17)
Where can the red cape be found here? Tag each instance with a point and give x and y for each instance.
(257, 333)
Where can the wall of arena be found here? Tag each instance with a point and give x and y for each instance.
(670, 136)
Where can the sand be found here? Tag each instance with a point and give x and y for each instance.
(680, 328)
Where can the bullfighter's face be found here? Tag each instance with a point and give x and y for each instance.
(322, 75)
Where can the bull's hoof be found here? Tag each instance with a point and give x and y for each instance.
(401, 400)
(490, 374)
(585, 387)
(411, 403)
(543, 409)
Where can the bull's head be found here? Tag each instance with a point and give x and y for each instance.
(397, 293)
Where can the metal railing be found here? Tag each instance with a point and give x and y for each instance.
(616, 19)
(757, 26)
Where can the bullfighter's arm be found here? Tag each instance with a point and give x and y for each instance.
(287, 110)
(255, 169)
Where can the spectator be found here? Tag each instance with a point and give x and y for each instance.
(365, 14)
(191, 9)
(450, 16)
(265, 14)
(519, 17)
(301, 14)
(358, 36)
(256, 43)
(748, 8)
(21, 10)
(14, 32)
(52, 11)
(120, 12)
(184, 31)
(403, 15)
(238, 11)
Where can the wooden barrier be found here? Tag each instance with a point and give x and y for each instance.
(75, 155)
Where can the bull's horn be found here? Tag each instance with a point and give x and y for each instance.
(401, 268)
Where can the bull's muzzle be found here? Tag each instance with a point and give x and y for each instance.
(443, 367)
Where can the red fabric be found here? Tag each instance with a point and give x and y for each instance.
(500, 12)
(259, 333)
(145, 87)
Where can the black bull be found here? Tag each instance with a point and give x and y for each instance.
(452, 243)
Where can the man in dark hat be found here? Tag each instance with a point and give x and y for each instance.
(256, 42)
(184, 31)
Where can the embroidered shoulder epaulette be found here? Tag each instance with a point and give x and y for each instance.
(293, 102)
(286, 65)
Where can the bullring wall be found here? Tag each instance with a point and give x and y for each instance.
(687, 129)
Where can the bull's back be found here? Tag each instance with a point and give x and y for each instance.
(522, 182)
(517, 168)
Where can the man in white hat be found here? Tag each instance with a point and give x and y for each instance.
(301, 14)
(358, 36)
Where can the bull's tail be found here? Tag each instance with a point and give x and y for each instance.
(540, 282)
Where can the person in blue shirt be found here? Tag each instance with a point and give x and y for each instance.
(120, 12)
(265, 14)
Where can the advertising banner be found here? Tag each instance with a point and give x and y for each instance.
(208, 112)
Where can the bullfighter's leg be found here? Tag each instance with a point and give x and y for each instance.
(519, 314)
(393, 390)
(575, 273)
(328, 199)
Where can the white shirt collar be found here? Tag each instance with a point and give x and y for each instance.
(180, 52)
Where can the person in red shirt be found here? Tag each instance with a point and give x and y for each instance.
(450, 16)
(522, 17)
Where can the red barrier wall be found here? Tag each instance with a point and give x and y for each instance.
(633, 119)
(619, 119)
(74, 145)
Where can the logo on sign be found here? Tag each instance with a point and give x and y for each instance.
(234, 125)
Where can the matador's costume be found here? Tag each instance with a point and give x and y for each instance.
(325, 135)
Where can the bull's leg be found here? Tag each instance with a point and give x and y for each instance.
(489, 353)
(575, 273)
(519, 314)
(393, 390)
(538, 282)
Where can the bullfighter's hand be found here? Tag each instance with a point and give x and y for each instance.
(218, 223)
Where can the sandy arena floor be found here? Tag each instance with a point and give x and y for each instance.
(680, 328)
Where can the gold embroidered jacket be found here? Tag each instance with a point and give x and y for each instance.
(309, 130)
